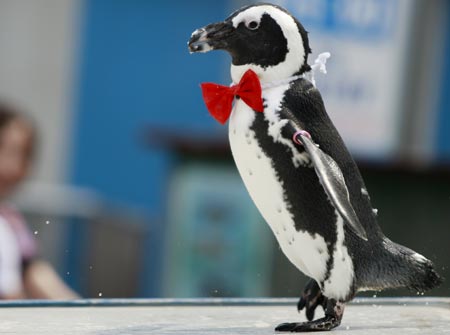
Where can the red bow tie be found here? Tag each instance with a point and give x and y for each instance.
(219, 99)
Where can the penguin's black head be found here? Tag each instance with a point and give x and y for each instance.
(262, 37)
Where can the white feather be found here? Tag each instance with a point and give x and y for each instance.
(419, 258)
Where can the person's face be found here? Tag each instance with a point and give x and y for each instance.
(15, 152)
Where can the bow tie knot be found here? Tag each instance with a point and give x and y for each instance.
(219, 98)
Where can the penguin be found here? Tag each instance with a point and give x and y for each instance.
(299, 172)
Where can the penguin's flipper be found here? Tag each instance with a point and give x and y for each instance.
(333, 182)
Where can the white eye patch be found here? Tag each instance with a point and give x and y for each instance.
(250, 17)
(250, 21)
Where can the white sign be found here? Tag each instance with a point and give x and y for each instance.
(368, 41)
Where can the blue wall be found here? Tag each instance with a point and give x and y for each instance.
(135, 70)
(443, 125)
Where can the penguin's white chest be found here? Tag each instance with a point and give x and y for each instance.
(307, 252)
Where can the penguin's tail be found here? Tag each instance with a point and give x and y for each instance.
(409, 269)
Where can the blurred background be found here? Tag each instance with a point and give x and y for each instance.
(134, 192)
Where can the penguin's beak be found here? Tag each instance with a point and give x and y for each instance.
(213, 36)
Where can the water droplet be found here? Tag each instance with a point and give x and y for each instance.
(347, 328)
(36, 232)
(47, 222)
(100, 294)
(68, 273)
(374, 296)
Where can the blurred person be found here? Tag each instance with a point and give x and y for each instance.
(22, 274)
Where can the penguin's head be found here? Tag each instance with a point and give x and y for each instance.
(261, 37)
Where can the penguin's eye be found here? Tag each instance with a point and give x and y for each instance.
(252, 25)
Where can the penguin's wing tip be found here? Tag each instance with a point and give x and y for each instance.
(354, 224)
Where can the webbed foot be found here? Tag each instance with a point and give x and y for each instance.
(311, 298)
(333, 316)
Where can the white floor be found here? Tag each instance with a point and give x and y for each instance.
(372, 316)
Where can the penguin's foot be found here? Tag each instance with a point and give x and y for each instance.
(311, 298)
(326, 323)
(333, 316)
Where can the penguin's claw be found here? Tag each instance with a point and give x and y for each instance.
(311, 298)
(333, 315)
(327, 323)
